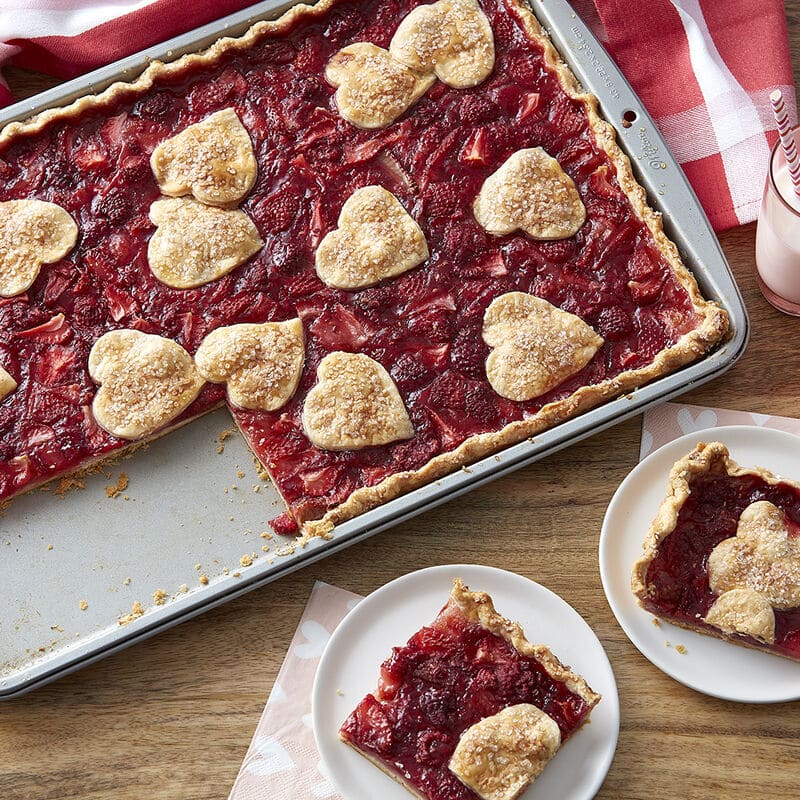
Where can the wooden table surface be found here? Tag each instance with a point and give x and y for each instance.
(172, 717)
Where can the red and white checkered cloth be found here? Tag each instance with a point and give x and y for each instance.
(704, 69)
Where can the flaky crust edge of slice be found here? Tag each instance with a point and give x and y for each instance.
(705, 459)
(478, 607)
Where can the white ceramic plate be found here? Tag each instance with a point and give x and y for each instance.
(349, 666)
(709, 665)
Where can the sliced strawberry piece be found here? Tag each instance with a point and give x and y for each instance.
(90, 157)
(318, 223)
(443, 199)
(558, 252)
(374, 725)
(96, 437)
(433, 358)
(439, 300)
(475, 109)
(320, 482)
(530, 102)
(388, 684)
(55, 331)
(433, 325)
(284, 525)
(57, 283)
(21, 470)
(188, 325)
(409, 373)
(396, 172)
(601, 184)
(143, 325)
(474, 151)
(54, 365)
(278, 210)
(641, 264)
(120, 304)
(646, 290)
(113, 131)
(364, 151)
(69, 392)
(339, 328)
(508, 97)
(37, 435)
(614, 323)
(322, 130)
(494, 265)
(451, 429)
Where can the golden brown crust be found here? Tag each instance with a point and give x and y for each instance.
(711, 329)
(478, 607)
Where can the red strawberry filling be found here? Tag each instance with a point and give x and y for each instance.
(677, 578)
(424, 326)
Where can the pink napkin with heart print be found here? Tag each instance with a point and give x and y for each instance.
(672, 420)
(282, 762)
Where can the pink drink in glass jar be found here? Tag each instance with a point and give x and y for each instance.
(778, 236)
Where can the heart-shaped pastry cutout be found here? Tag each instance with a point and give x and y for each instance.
(376, 239)
(196, 244)
(261, 364)
(755, 571)
(536, 345)
(373, 89)
(451, 38)
(32, 233)
(530, 192)
(145, 381)
(212, 160)
(355, 404)
(500, 755)
(7, 384)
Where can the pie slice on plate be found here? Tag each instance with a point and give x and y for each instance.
(723, 554)
(468, 707)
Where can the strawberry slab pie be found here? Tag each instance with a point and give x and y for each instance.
(468, 707)
(394, 236)
(723, 555)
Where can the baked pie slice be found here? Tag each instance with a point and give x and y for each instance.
(468, 707)
(407, 209)
(723, 554)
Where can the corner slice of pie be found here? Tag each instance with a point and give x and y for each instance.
(723, 554)
(468, 707)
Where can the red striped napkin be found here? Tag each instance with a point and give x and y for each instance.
(704, 69)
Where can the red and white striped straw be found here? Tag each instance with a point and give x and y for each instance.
(787, 140)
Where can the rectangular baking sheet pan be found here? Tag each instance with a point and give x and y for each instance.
(191, 507)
